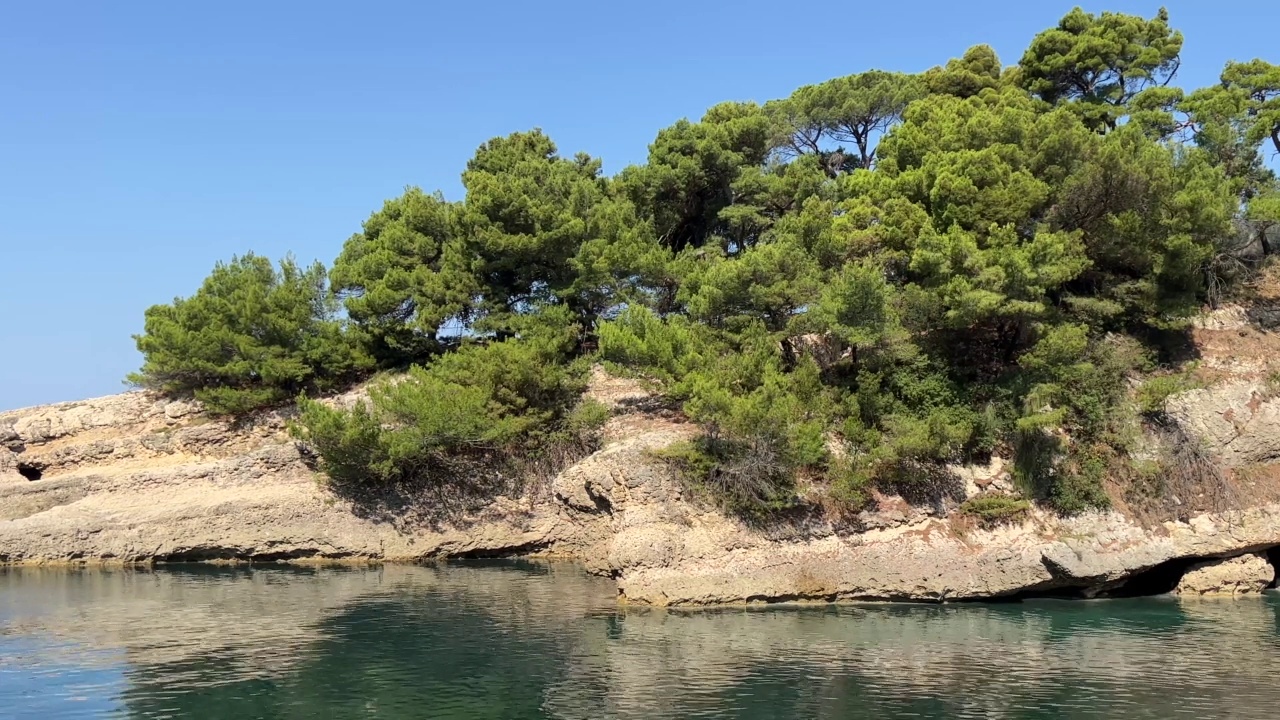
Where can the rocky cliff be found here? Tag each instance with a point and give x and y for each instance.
(135, 478)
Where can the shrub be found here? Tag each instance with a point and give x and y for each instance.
(588, 417)
(849, 485)
(751, 476)
(1065, 475)
(760, 426)
(1156, 391)
(992, 510)
(251, 336)
(641, 340)
(1078, 485)
(421, 430)
(938, 436)
(473, 412)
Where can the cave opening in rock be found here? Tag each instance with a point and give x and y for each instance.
(1158, 580)
(30, 471)
(1273, 557)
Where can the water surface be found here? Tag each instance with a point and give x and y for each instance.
(526, 640)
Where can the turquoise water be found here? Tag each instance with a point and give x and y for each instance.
(527, 640)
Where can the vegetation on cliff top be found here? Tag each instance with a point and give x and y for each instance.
(877, 275)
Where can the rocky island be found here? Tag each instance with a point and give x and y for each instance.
(981, 331)
(134, 478)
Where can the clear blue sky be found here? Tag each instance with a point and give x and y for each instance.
(141, 142)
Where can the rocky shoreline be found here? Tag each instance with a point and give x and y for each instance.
(132, 478)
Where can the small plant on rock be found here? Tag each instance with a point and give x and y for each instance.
(993, 510)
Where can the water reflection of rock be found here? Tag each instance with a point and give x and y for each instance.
(470, 637)
(1150, 658)
(261, 621)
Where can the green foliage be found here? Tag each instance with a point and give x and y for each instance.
(471, 411)
(1101, 62)
(251, 336)
(1262, 220)
(849, 484)
(856, 306)
(669, 349)
(1061, 473)
(1156, 390)
(1150, 219)
(691, 172)
(995, 509)
(747, 477)
(761, 425)
(768, 283)
(1005, 277)
(1223, 123)
(527, 214)
(535, 230)
(966, 76)
(1079, 485)
(587, 418)
(399, 280)
(860, 283)
(855, 109)
(1258, 82)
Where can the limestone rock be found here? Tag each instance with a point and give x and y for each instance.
(132, 479)
(929, 561)
(1241, 575)
(180, 409)
(984, 479)
(50, 422)
(1239, 421)
(9, 439)
(129, 479)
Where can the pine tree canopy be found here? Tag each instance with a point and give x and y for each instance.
(876, 275)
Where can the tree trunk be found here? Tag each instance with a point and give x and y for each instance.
(862, 149)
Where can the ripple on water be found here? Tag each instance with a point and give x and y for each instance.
(527, 640)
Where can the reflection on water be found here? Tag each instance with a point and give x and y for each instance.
(524, 640)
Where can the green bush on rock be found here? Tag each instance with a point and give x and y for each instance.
(992, 510)
(480, 410)
(250, 337)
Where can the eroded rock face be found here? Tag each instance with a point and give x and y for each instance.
(929, 561)
(133, 479)
(1241, 575)
(1239, 421)
(129, 478)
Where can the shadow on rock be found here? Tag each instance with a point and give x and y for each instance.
(458, 491)
(452, 494)
(1264, 316)
(927, 485)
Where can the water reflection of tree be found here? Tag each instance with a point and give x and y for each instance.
(438, 650)
(529, 640)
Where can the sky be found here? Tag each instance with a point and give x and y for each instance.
(142, 142)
